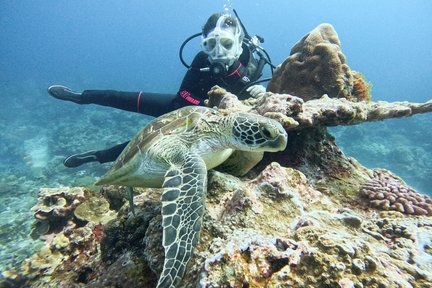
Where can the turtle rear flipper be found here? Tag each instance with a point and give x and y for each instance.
(185, 187)
(131, 199)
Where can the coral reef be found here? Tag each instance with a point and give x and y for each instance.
(72, 243)
(405, 153)
(55, 208)
(21, 179)
(296, 114)
(318, 256)
(301, 218)
(317, 66)
(273, 229)
(388, 192)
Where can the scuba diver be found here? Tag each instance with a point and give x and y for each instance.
(228, 59)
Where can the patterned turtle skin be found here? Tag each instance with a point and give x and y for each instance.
(175, 151)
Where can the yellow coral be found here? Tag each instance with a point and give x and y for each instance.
(59, 242)
(95, 209)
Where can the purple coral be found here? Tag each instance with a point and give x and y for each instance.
(386, 191)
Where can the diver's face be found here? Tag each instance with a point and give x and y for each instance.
(219, 44)
(223, 43)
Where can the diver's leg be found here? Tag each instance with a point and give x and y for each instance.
(127, 101)
(153, 104)
(64, 93)
(111, 154)
(102, 156)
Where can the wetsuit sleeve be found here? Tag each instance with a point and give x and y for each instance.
(195, 85)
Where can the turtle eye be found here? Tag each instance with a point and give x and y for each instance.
(266, 132)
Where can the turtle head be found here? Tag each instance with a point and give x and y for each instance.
(252, 132)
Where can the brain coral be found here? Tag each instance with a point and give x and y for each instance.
(317, 66)
(386, 191)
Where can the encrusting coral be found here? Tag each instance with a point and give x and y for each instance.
(72, 239)
(388, 192)
(305, 217)
(95, 209)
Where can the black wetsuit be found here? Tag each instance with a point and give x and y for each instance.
(193, 91)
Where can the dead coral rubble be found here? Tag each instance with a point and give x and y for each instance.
(386, 191)
(332, 112)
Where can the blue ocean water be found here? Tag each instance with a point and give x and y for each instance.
(133, 45)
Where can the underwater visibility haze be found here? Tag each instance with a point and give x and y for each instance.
(133, 46)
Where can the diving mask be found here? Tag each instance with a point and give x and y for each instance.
(223, 44)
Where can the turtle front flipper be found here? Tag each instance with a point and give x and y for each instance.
(185, 188)
(240, 162)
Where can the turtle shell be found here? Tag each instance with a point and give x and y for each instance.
(175, 122)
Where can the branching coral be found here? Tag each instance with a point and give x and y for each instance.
(294, 114)
(388, 192)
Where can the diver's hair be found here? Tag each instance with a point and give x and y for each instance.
(212, 21)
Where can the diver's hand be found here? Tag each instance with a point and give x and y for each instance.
(256, 91)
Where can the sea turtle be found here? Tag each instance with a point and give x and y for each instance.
(175, 151)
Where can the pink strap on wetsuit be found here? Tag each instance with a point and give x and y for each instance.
(236, 71)
(139, 100)
(188, 97)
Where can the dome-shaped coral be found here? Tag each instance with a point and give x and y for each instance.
(317, 66)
